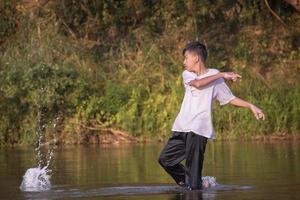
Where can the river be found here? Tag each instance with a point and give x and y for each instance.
(247, 170)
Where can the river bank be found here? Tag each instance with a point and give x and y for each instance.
(69, 69)
(116, 137)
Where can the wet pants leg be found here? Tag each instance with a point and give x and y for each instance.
(180, 146)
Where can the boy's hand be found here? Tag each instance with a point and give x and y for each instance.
(231, 76)
(257, 112)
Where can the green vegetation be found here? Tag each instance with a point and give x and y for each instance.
(87, 65)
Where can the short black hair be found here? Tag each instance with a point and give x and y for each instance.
(198, 48)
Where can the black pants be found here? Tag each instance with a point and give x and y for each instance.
(188, 146)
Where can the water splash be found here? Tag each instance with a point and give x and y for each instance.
(209, 181)
(36, 180)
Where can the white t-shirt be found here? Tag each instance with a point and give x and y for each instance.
(196, 108)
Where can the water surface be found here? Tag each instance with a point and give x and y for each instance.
(267, 170)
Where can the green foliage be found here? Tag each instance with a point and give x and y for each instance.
(8, 23)
(115, 96)
(33, 89)
(275, 102)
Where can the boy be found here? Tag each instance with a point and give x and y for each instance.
(193, 125)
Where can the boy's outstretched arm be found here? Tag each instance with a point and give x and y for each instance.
(258, 113)
(207, 80)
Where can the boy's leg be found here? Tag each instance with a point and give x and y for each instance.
(195, 148)
(171, 156)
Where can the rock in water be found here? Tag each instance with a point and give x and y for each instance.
(36, 180)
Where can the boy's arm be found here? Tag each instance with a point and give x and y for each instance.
(207, 80)
(255, 110)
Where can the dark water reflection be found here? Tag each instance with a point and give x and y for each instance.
(273, 169)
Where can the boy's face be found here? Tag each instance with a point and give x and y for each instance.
(190, 61)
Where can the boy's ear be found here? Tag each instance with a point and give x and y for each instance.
(198, 58)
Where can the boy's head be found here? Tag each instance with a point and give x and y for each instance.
(194, 52)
